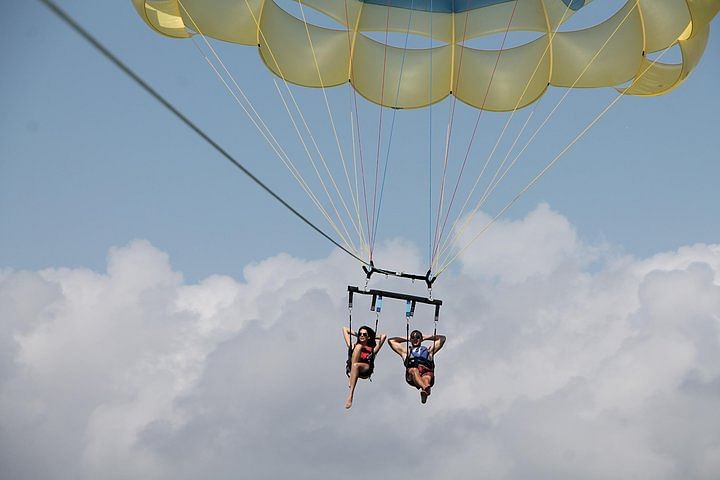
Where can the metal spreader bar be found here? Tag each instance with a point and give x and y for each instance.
(427, 278)
(378, 295)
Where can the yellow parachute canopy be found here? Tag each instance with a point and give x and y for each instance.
(314, 56)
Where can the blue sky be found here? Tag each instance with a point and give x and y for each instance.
(161, 317)
(90, 161)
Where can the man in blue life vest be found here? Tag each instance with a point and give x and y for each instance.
(418, 361)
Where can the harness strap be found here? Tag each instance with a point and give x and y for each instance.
(377, 319)
(408, 314)
(409, 308)
(437, 316)
(377, 306)
(350, 341)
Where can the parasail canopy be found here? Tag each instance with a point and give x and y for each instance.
(315, 56)
(623, 51)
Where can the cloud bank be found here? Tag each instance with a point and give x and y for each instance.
(564, 360)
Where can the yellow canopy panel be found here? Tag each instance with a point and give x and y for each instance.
(610, 54)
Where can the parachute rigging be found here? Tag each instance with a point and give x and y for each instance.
(189, 123)
(612, 53)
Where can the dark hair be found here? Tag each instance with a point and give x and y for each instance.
(417, 333)
(371, 335)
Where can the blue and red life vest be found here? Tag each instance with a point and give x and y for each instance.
(419, 355)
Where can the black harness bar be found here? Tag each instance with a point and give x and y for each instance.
(398, 296)
(427, 278)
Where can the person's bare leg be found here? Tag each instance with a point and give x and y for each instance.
(356, 370)
(425, 390)
(425, 384)
(353, 382)
(416, 378)
(354, 357)
(420, 382)
(354, 373)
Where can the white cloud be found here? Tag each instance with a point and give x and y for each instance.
(563, 361)
(513, 251)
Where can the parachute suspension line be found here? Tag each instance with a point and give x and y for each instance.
(268, 136)
(448, 136)
(528, 186)
(377, 156)
(474, 132)
(255, 117)
(551, 37)
(266, 133)
(562, 99)
(345, 237)
(392, 123)
(362, 174)
(447, 243)
(169, 106)
(441, 193)
(430, 145)
(358, 228)
(312, 162)
(297, 108)
(358, 138)
(592, 123)
(493, 184)
(448, 132)
(274, 144)
(356, 192)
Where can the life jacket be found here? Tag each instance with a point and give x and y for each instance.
(419, 355)
(367, 355)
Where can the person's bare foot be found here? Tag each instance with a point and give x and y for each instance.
(348, 403)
